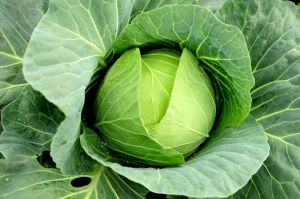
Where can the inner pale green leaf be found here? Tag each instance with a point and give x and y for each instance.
(158, 73)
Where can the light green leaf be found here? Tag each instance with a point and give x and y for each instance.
(213, 5)
(272, 32)
(224, 164)
(18, 19)
(221, 47)
(66, 47)
(191, 109)
(158, 71)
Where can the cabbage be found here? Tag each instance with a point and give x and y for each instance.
(149, 99)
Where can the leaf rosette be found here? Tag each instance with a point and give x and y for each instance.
(131, 97)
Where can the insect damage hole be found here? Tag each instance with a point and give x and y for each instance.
(81, 182)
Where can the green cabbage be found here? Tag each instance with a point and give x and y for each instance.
(149, 98)
(163, 114)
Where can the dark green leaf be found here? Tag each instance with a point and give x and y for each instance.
(45, 5)
(221, 47)
(29, 124)
(272, 32)
(18, 19)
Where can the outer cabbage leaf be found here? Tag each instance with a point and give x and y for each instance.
(222, 166)
(18, 19)
(72, 39)
(27, 179)
(272, 32)
(221, 47)
(30, 123)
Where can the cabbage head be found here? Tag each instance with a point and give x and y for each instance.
(168, 126)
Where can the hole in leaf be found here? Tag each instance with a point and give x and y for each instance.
(46, 160)
(81, 182)
(151, 195)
